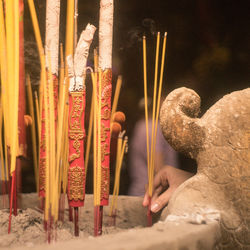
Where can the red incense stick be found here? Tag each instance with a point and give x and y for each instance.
(149, 214)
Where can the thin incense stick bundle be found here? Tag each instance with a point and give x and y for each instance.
(155, 114)
(160, 85)
(105, 87)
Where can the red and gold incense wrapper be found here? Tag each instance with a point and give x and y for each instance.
(105, 65)
(51, 51)
(106, 92)
(21, 109)
(76, 132)
(76, 172)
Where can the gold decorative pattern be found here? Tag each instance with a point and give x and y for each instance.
(104, 151)
(76, 183)
(106, 114)
(42, 174)
(104, 133)
(76, 132)
(105, 183)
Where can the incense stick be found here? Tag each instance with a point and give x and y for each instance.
(36, 29)
(155, 114)
(119, 158)
(99, 162)
(116, 97)
(90, 129)
(146, 96)
(33, 129)
(38, 122)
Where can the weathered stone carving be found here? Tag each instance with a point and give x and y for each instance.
(220, 143)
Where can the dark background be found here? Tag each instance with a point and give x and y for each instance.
(207, 49)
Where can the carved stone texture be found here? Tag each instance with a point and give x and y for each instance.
(220, 143)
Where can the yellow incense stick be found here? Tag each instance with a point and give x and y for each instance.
(10, 60)
(4, 89)
(47, 144)
(33, 129)
(118, 153)
(119, 169)
(42, 62)
(95, 60)
(90, 129)
(121, 145)
(116, 97)
(93, 76)
(61, 76)
(60, 131)
(92, 116)
(65, 151)
(60, 124)
(52, 167)
(99, 147)
(15, 89)
(63, 104)
(69, 47)
(146, 97)
(38, 122)
(3, 177)
(36, 29)
(154, 103)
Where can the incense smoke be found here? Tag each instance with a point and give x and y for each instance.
(135, 34)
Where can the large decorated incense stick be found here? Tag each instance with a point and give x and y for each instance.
(77, 95)
(104, 96)
(69, 50)
(21, 109)
(51, 50)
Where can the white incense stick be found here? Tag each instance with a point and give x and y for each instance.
(52, 34)
(106, 34)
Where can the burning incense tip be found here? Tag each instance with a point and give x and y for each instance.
(119, 117)
(116, 128)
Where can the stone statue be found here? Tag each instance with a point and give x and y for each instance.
(220, 143)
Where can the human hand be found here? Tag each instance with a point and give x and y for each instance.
(165, 183)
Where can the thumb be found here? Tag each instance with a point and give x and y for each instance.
(161, 201)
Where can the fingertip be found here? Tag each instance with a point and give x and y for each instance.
(155, 207)
(145, 200)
